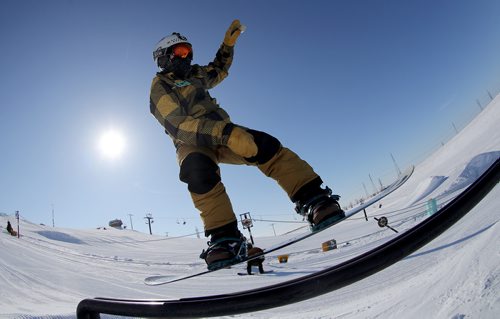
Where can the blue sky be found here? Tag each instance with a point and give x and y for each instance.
(342, 83)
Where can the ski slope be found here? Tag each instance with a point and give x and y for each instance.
(46, 272)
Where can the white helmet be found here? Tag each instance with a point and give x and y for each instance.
(167, 42)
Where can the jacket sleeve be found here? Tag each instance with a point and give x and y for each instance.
(169, 110)
(218, 69)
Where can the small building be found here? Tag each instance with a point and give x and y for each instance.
(116, 223)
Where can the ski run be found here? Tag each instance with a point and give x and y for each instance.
(46, 272)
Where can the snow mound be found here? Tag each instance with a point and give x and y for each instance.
(55, 235)
(475, 168)
(426, 187)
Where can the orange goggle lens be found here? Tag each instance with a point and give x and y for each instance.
(182, 50)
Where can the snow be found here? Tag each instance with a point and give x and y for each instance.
(427, 187)
(46, 272)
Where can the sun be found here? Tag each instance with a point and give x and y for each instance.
(112, 144)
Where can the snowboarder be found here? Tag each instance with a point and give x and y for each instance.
(204, 136)
(257, 262)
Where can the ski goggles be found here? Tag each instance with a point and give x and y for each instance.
(182, 50)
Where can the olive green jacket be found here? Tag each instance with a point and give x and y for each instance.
(185, 108)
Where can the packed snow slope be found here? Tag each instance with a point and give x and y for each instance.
(46, 272)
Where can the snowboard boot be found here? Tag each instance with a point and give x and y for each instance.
(320, 209)
(226, 247)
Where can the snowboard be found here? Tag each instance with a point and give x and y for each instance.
(167, 279)
(256, 273)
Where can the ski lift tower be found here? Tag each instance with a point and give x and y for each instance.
(17, 217)
(246, 221)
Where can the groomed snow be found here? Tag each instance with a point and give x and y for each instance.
(46, 272)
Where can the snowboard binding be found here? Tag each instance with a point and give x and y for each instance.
(321, 211)
(225, 252)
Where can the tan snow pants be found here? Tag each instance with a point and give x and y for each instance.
(284, 166)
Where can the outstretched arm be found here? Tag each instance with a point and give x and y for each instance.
(218, 70)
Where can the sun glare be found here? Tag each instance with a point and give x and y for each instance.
(112, 144)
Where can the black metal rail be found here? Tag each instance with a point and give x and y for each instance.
(308, 286)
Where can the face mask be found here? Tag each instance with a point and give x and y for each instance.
(181, 67)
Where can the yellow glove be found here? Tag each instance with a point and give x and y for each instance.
(241, 142)
(232, 33)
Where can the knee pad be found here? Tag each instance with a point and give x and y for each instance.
(267, 145)
(200, 173)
